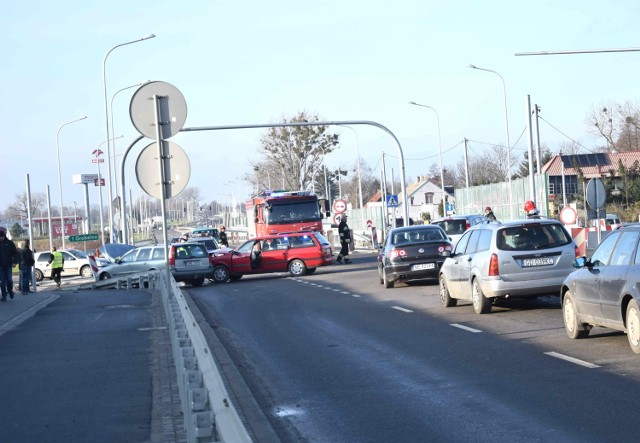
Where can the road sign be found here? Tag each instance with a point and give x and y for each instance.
(339, 206)
(568, 216)
(178, 171)
(337, 218)
(95, 182)
(97, 160)
(143, 111)
(83, 237)
(369, 223)
(596, 194)
(392, 200)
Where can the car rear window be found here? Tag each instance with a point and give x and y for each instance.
(190, 250)
(301, 241)
(453, 227)
(532, 236)
(417, 236)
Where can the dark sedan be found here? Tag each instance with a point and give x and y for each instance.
(412, 253)
(604, 290)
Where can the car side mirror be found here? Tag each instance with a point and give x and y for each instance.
(580, 262)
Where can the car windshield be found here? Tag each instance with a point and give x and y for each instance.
(77, 253)
(293, 212)
(129, 256)
(453, 227)
(532, 236)
(417, 236)
(322, 239)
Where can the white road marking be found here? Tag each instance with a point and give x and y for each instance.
(586, 364)
(399, 308)
(355, 295)
(466, 328)
(335, 290)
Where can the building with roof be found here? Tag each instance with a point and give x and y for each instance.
(602, 164)
(424, 196)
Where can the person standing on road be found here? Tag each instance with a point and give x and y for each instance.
(26, 262)
(57, 265)
(223, 237)
(8, 259)
(345, 239)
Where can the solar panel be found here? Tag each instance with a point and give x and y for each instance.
(583, 160)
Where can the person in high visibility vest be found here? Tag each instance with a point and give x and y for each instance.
(57, 265)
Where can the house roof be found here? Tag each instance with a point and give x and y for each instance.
(606, 162)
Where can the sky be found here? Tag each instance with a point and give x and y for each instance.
(254, 62)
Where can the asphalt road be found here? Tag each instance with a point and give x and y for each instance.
(335, 357)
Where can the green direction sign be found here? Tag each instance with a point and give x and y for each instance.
(83, 237)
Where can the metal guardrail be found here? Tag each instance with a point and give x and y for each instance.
(209, 415)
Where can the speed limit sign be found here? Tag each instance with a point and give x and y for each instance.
(337, 219)
(339, 206)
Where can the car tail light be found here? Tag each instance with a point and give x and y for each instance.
(398, 253)
(468, 225)
(445, 247)
(493, 265)
(172, 256)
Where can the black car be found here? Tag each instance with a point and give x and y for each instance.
(604, 290)
(412, 253)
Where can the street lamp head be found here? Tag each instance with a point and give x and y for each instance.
(148, 36)
(472, 66)
(412, 103)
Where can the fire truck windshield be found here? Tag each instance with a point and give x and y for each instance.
(293, 212)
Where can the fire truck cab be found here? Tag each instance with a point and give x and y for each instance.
(278, 212)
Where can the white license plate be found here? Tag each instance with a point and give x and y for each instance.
(543, 261)
(192, 262)
(423, 266)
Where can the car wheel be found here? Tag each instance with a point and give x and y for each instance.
(235, 277)
(297, 268)
(85, 271)
(311, 270)
(633, 326)
(445, 297)
(220, 274)
(104, 276)
(385, 280)
(481, 304)
(197, 281)
(39, 275)
(572, 325)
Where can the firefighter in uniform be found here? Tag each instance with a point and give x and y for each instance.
(345, 239)
(223, 237)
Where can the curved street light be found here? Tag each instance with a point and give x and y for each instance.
(444, 201)
(106, 117)
(506, 120)
(60, 176)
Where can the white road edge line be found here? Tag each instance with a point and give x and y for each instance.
(401, 309)
(586, 364)
(466, 328)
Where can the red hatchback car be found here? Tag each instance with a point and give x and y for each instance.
(297, 253)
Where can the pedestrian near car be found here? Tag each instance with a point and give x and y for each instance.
(488, 212)
(8, 259)
(345, 238)
(57, 265)
(223, 237)
(25, 264)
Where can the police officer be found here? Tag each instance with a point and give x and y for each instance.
(345, 239)
(223, 237)
(57, 265)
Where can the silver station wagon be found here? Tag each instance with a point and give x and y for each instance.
(524, 259)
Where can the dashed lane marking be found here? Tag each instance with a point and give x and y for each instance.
(576, 361)
(399, 308)
(466, 328)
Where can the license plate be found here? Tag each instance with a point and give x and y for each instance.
(423, 266)
(543, 261)
(192, 262)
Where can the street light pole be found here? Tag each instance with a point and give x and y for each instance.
(60, 177)
(444, 201)
(106, 117)
(115, 169)
(506, 120)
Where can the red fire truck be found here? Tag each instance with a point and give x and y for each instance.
(275, 212)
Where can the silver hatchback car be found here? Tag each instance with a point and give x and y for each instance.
(525, 259)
